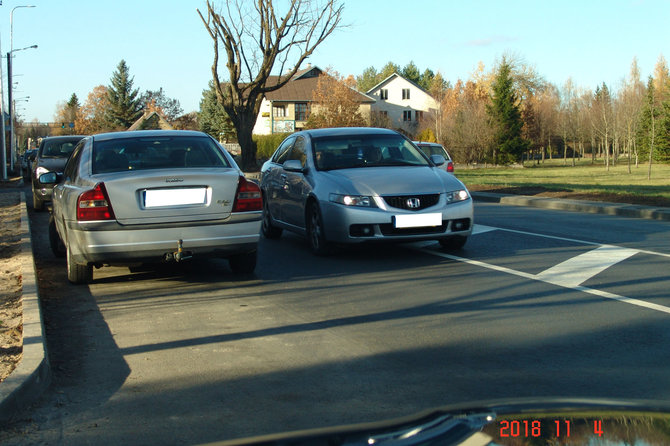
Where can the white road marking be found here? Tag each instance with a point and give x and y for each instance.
(576, 270)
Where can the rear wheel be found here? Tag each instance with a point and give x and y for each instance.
(269, 230)
(453, 243)
(78, 273)
(315, 231)
(243, 263)
(55, 242)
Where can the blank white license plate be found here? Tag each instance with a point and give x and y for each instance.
(417, 221)
(174, 197)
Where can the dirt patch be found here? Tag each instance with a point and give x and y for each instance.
(11, 316)
(539, 191)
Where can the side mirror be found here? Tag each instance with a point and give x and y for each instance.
(293, 166)
(48, 178)
(438, 160)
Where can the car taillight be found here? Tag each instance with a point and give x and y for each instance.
(248, 197)
(94, 205)
(450, 166)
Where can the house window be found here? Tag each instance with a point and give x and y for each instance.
(407, 115)
(418, 115)
(301, 111)
(279, 111)
(405, 93)
(383, 94)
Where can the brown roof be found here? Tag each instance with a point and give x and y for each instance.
(301, 87)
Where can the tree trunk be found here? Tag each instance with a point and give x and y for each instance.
(245, 130)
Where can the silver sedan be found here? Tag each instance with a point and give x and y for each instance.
(148, 196)
(354, 185)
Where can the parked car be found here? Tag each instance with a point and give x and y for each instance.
(52, 154)
(432, 148)
(354, 185)
(26, 163)
(146, 196)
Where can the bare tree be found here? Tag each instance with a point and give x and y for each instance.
(255, 40)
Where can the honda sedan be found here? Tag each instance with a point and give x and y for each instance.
(354, 185)
(148, 196)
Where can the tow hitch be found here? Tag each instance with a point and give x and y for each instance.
(180, 254)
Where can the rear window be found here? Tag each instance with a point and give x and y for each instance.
(163, 152)
(57, 149)
(430, 149)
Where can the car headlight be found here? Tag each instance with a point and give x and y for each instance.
(352, 200)
(457, 195)
(40, 170)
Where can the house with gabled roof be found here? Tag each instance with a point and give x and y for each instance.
(287, 109)
(151, 120)
(403, 102)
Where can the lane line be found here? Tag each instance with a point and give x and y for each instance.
(579, 269)
(605, 294)
(569, 274)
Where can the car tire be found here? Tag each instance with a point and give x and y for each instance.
(267, 228)
(454, 242)
(38, 204)
(55, 242)
(315, 231)
(78, 273)
(243, 263)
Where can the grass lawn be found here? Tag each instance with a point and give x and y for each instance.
(584, 181)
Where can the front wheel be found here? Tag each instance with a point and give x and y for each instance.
(78, 273)
(315, 231)
(38, 204)
(243, 263)
(454, 242)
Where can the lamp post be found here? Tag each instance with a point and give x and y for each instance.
(9, 80)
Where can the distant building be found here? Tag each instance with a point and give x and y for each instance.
(403, 102)
(287, 109)
(151, 121)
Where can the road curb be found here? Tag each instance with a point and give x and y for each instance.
(593, 207)
(33, 375)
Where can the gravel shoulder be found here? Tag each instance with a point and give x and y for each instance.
(11, 318)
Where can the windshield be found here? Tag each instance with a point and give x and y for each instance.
(345, 152)
(173, 152)
(433, 149)
(58, 149)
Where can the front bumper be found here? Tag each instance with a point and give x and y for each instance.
(350, 224)
(112, 243)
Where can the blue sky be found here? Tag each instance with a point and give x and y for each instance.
(166, 45)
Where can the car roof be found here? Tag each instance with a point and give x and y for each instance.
(347, 131)
(63, 138)
(145, 134)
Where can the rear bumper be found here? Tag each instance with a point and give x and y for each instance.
(112, 243)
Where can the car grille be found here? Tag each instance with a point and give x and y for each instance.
(401, 201)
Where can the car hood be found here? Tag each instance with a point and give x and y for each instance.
(53, 164)
(393, 180)
(500, 423)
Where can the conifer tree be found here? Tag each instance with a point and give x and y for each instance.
(505, 114)
(125, 107)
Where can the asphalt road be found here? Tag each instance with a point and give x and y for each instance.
(538, 303)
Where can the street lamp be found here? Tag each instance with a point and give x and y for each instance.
(9, 80)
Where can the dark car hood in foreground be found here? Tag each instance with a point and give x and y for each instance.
(520, 422)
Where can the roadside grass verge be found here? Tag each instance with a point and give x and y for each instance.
(584, 181)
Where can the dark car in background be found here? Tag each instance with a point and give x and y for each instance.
(52, 155)
(26, 163)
